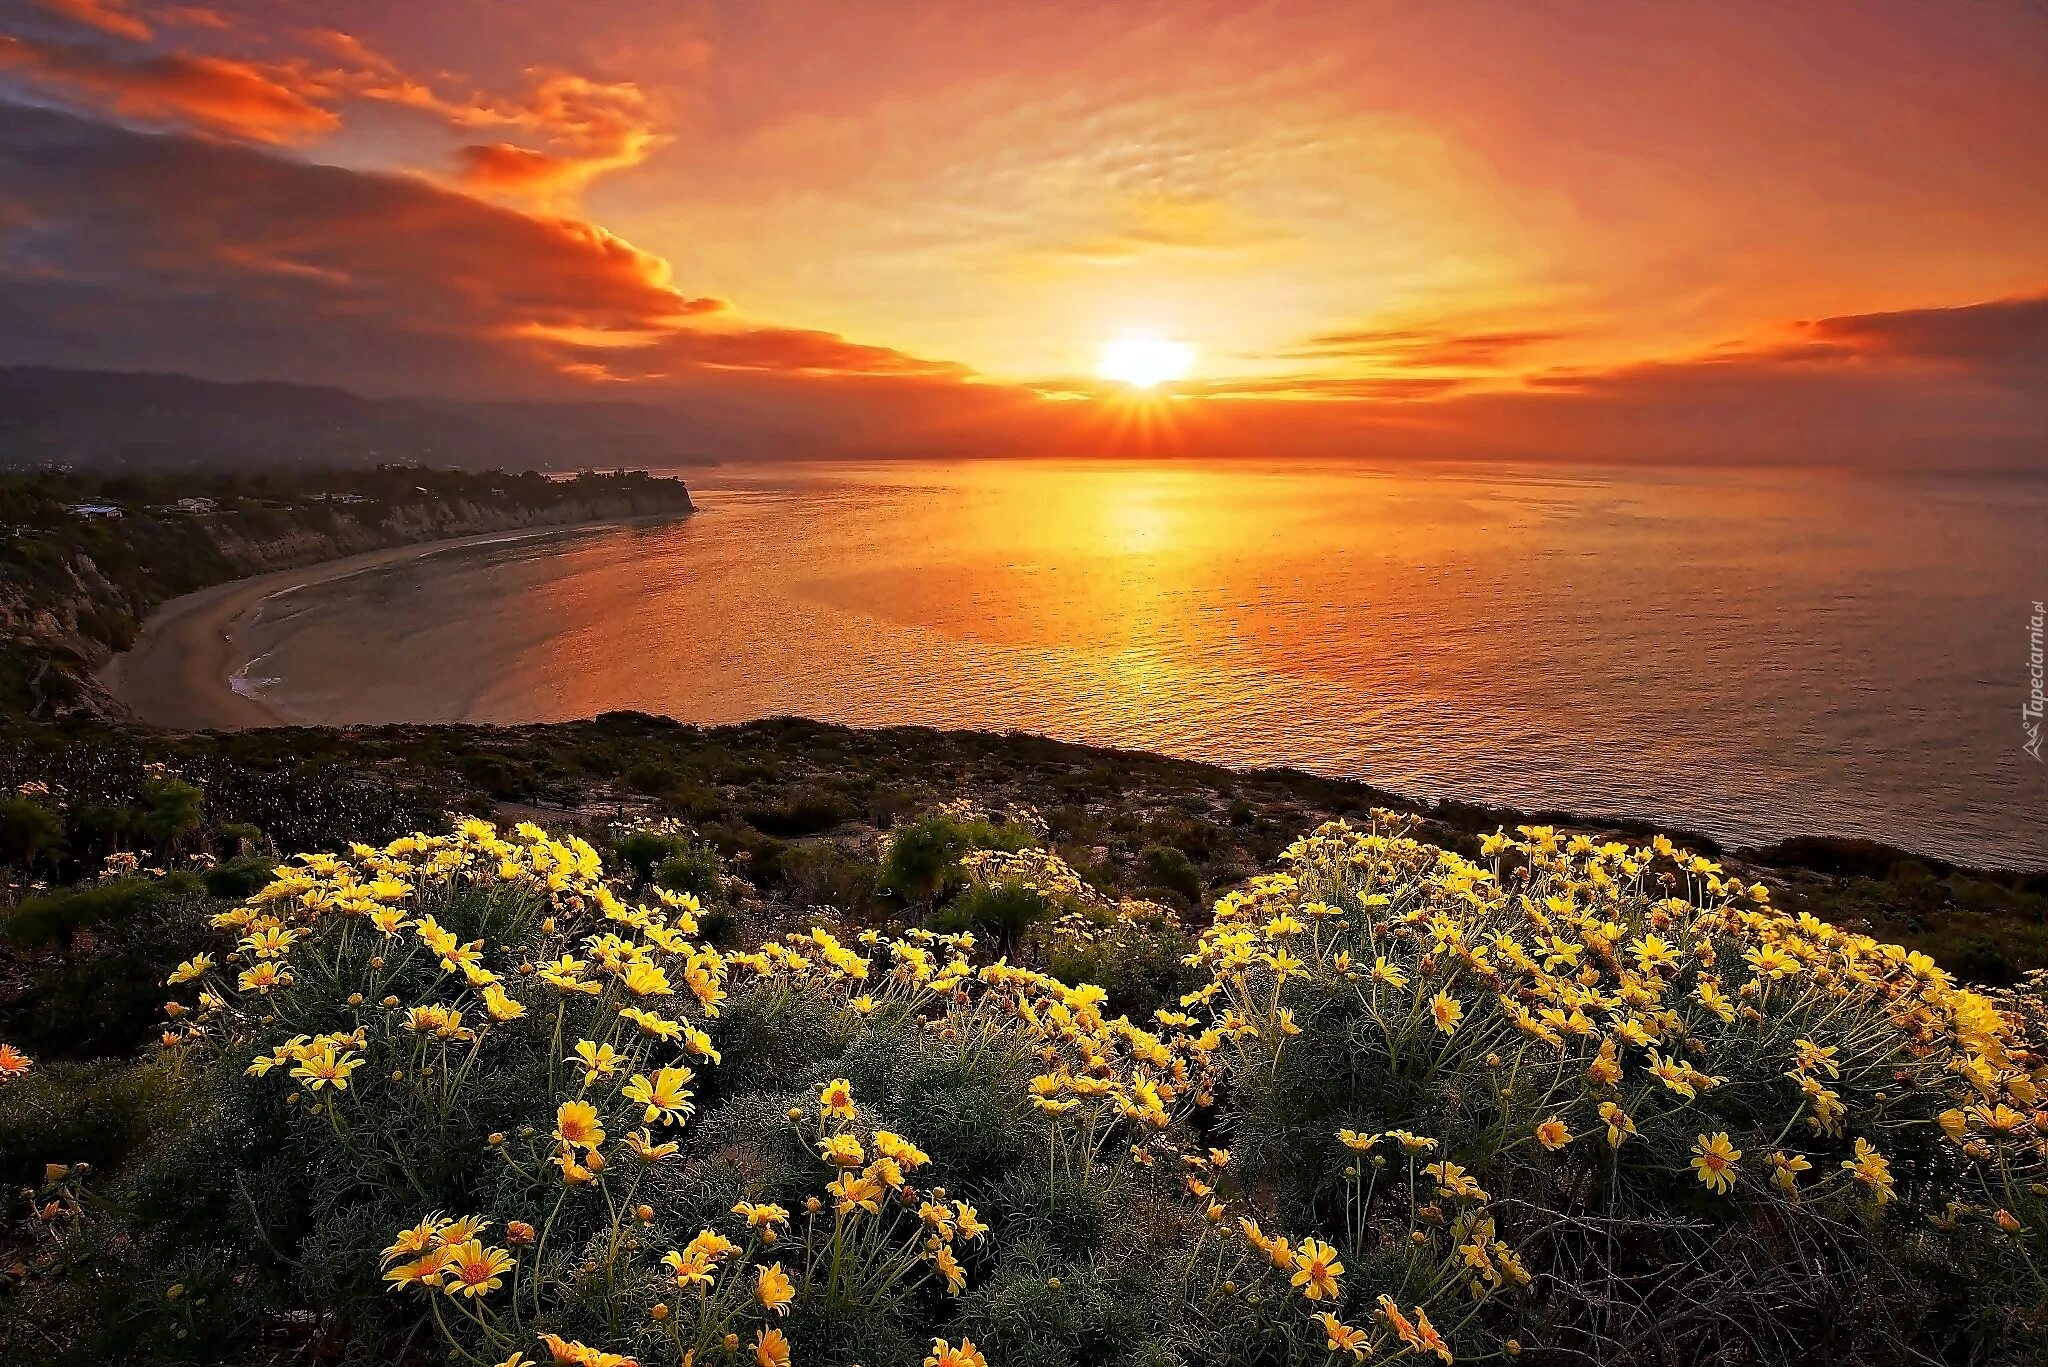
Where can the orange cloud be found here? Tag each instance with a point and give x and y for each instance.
(121, 19)
(108, 16)
(376, 280)
(1422, 348)
(241, 99)
(590, 127)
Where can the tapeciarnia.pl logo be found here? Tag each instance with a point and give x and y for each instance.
(2031, 709)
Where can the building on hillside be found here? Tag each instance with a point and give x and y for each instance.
(93, 512)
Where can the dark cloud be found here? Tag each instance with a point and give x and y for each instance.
(240, 99)
(2004, 338)
(139, 250)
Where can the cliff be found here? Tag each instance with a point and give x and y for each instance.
(74, 587)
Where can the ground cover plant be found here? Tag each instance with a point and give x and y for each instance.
(468, 1096)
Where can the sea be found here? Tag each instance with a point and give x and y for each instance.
(1749, 653)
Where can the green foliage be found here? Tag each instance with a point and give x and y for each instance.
(28, 831)
(100, 992)
(641, 851)
(1001, 911)
(1171, 869)
(172, 809)
(52, 917)
(922, 862)
(239, 876)
(801, 813)
(99, 1113)
(695, 869)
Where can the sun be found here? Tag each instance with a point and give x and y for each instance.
(1143, 361)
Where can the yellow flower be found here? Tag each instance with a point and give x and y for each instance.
(773, 1289)
(646, 1150)
(570, 1353)
(324, 1068)
(949, 1268)
(500, 1006)
(1446, 1011)
(474, 1270)
(646, 980)
(1356, 1142)
(1785, 1170)
(1619, 1126)
(1872, 1169)
(855, 1191)
(424, 1270)
(577, 1125)
(842, 1151)
(598, 1060)
(1316, 1269)
(760, 1216)
(191, 970)
(1340, 1337)
(1553, 1134)
(771, 1349)
(690, 1270)
(896, 1147)
(665, 1096)
(944, 1354)
(1714, 1159)
(835, 1100)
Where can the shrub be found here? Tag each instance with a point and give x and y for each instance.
(28, 831)
(802, 813)
(1171, 870)
(1000, 911)
(52, 917)
(642, 851)
(921, 862)
(236, 878)
(1598, 1102)
(695, 869)
(64, 1112)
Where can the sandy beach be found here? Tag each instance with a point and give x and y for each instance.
(180, 673)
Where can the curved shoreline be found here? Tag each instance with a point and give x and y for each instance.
(181, 672)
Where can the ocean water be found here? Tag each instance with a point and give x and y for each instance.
(1752, 654)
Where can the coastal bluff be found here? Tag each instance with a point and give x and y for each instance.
(80, 570)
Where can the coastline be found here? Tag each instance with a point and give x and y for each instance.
(180, 673)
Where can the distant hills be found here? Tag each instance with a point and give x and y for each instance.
(112, 420)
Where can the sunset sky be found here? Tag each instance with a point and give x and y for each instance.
(1662, 231)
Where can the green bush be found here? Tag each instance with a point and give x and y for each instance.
(238, 877)
(922, 861)
(1170, 869)
(999, 911)
(642, 851)
(804, 813)
(65, 1112)
(695, 869)
(29, 831)
(52, 917)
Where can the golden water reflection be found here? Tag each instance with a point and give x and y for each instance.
(1747, 653)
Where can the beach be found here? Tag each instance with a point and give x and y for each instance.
(183, 671)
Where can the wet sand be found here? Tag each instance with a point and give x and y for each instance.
(181, 672)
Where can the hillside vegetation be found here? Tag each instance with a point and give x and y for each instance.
(480, 1095)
